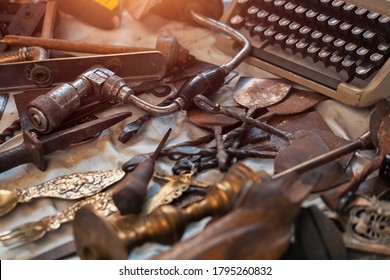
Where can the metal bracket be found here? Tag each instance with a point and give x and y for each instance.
(137, 66)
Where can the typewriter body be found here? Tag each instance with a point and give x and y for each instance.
(340, 49)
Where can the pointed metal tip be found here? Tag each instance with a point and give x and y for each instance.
(161, 145)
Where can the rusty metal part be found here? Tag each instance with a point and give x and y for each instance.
(9, 132)
(132, 163)
(297, 101)
(115, 90)
(305, 146)
(205, 104)
(318, 236)
(258, 227)
(380, 135)
(130, 194)
(256, 93)
(47, 111)
(311, 120)
(215, 122)
(97, 238)
(34, 150)
(174, 53)
(177, 153)
(87, 110)
(151, 65)
(362, 142)
(71, 46)
(24, 54)
(3, 103)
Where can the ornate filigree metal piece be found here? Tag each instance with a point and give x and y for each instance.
(73, 186)
(368, 225)
(33, 231)
(176, 185)
(69, 187)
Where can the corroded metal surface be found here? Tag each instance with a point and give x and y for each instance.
(259, 93)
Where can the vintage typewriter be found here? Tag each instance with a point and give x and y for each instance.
(340, 49)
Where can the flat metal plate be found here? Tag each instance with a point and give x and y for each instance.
(137, 66)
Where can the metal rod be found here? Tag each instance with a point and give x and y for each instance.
(227, 30)
(64, 45)
(361, 142)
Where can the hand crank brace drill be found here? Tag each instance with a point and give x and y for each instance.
(48, 111)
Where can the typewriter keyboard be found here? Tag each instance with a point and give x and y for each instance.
(320, 44)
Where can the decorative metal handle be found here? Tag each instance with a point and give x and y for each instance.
(73, 186)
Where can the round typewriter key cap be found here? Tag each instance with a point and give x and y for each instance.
(364, 71)
(237, 22)
(377, 59)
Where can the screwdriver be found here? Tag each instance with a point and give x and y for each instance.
(132, 190)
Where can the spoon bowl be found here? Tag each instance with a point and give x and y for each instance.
(8, 200)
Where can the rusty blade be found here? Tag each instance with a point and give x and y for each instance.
(3, 103)
(57, 140)
(297, 101)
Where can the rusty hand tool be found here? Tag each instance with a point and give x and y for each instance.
(115, 90)
(308, 145)
(131, 192)
(259, 226)
(362, 142)
(205, 104)
(34, 150)
(380, 137)
(185, 151)
(97, 238)
(216, 122)
(3, 103)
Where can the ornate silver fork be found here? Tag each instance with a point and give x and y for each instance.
(33, 231)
